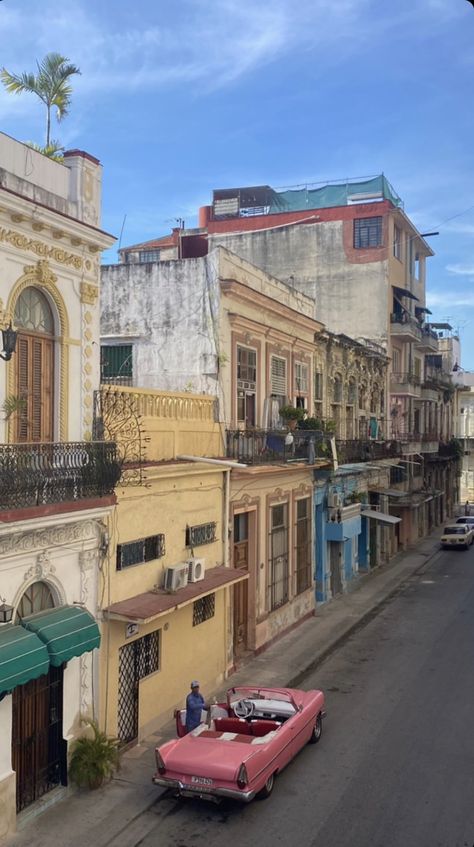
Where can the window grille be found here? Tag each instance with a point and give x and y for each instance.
(337, 389)
(303, 545)
(204, 609)
(397, 475)
(352, 393)
(368, 232)
(247, 366)
(205, 533)
(279, 560)
(116, 364)
(397, 242)
(278, 376)
(140, 551)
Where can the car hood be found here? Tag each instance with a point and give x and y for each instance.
(207, 756)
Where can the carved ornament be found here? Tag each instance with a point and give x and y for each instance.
(22, 242)
(89, 293)
(25, 541)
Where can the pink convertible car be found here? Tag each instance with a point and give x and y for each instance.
(242, 745)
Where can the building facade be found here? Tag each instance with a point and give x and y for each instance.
(56, 485)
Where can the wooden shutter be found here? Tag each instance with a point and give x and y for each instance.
(34, 363)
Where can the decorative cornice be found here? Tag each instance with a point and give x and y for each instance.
(22, 242)
(23, 542)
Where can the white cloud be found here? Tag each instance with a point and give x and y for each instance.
(461, 270)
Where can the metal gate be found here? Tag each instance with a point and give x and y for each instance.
(38, 748)
(136, 660)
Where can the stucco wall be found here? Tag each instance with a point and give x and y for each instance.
(312, 257)
(171, 311)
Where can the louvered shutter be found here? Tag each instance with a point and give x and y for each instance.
(278, 376)
(34, 363)
(22, 364)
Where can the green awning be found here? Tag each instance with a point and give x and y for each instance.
(66, 631)
(23, 657)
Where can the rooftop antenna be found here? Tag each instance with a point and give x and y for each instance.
(121, 232)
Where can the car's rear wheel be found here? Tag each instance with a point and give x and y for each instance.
(267, 788)
(317, 730)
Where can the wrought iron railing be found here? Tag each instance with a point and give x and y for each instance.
(404, 379)
(356, 450)
(42, 474)
(257, 447)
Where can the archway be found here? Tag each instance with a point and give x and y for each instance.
(34, 366)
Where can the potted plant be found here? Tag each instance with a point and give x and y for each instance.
(94, 758)
(291, 415)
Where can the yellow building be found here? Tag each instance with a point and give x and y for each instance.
(156, 639)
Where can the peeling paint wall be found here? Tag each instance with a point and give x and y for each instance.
(170, 310)
(350, 297)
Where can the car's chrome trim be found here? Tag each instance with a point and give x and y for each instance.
(201, 791)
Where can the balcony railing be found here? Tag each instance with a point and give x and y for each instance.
(437, 376)
(356, 450)
(43, 474)
(258, 447)
(404, 324)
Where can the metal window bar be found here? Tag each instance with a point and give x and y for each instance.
(140, 551)
(368, 232)
(201, 534)
(278, 565)
(204, 609)
(303, 547)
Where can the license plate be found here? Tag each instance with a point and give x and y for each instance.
(201, 780)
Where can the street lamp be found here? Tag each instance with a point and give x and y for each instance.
(9, 343)
(6, 612)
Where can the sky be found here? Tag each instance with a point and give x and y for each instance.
(179, 98)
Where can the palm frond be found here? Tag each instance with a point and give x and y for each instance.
(19, 83)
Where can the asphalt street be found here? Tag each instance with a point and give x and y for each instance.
(395, 765)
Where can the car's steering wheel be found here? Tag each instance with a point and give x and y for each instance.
(244, 708)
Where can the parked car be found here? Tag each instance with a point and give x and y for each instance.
(468, 519)
(457, 535)
(243, 744)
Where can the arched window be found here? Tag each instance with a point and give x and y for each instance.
(36, 598)
(34, 362)
(337, 388)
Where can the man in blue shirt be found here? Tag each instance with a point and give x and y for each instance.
(195, 703)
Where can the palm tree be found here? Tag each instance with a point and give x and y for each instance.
(51, 84)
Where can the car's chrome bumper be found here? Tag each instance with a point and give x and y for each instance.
(201, 791)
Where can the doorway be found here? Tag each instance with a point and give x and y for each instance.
(241, 562)
(335, 556)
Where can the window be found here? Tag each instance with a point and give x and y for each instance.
(397, 474)
(116, 364)
(417, 368)
(278, 379)
(204, 533)
(246, 385)
(318, 385)
(34, 366)
(396, 361)
(147, 654)
(352, 393)
(138, 552)
(337, 389)
(149, 255)
(368, 232)
(303, 545)
(301, 378)
(279, 563)
(397, 243)
(204, 608)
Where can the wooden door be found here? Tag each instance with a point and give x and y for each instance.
(38, 750)
(241, 562)
(34, 384)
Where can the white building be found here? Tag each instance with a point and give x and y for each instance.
(56, 485)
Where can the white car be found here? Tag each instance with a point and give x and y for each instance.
(469, 519)
(457, 535)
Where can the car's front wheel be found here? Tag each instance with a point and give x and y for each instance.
(267, 788)
(317, 730)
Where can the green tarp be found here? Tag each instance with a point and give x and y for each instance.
(330, 195)
(66, 631)
(23, 657)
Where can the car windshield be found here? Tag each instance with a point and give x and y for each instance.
(258, 694)
(455, 530)
(467, 520)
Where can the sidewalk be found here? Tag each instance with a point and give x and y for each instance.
(101, 817)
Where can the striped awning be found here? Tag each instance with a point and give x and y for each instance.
(66, 631)
(23, 657)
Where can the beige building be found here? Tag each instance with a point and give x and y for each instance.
(56, 485)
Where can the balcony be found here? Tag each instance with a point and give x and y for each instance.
(343, 522)
(430, 442)
(408, 384)
(437, 377)
(265, 446)
(429, 340)
(45, 474)
(404, 327)
(364, 450)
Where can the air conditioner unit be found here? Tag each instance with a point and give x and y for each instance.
(175, 577)
(196, 570)
(334, 501)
